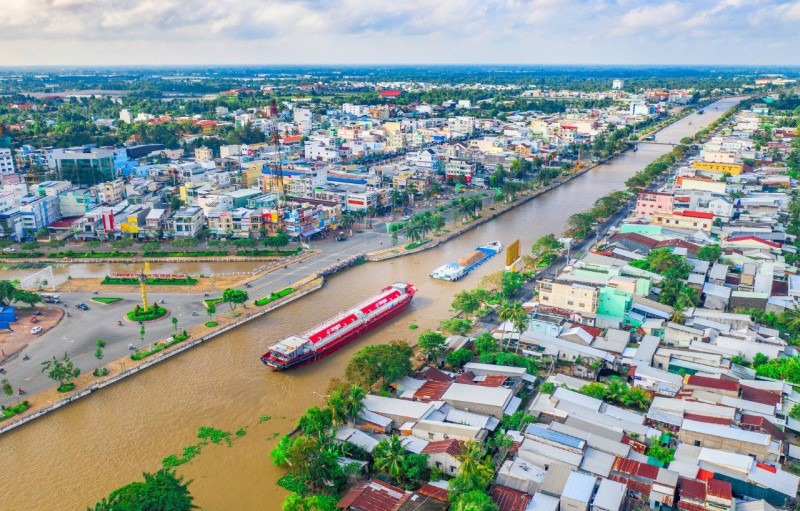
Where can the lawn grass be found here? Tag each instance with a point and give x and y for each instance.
(152, 281)
(106, 300)
(160, 346)
(212, 301)
(153, 312)
(274, 296)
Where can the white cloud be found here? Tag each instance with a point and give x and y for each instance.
(395, 31)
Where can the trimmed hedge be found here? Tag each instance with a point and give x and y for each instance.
(106, 300)
(267, 252)
(20, 255)
(90, 255)
(160, 346)
(133, 281)
(274, 296)
(10, 411)
(185, 253)
(153, 312)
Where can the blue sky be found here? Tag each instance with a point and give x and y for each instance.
(188, 32)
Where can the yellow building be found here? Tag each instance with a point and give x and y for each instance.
(733, 169)
(130, 225)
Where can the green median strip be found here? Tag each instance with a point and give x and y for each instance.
(106, 300)
(274, 296)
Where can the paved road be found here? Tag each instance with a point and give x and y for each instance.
(78, 333)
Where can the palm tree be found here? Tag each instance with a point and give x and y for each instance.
(337, 404)
(355, 403)
(425, 223)
(347, 221)
(413, 231)
(519, 318)
(390, 456)
(474, 462)
(504, 312)
(678, 313)
(791, 317)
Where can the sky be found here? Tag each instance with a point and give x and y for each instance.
(231, 32)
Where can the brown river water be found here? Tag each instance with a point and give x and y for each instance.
(71, 458)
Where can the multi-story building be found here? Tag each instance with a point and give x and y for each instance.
(456, 169)
(188, 222)
(6, 162)
(38, 212)
(76, 202)
(568, 295)
(85, 167)
(691, 220)
(112, 192)
(461, 125)
(653, 202)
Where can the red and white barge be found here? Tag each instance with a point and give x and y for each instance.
(331, 335)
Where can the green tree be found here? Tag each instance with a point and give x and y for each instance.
(389, 457)
(380, 365)
(709, 253)
(234, 297)
(355, 403)
(432, 344)
(663, 454)
(545, 249)
(485, 343)
(316, 422)
(7, 292)
(175, 324)
(27, 297)
(760, 359)
(8, 390)
(458, 358)
(211, 309)
(511, 283)
(547, 388)
(474, 500)
(163, 490)
(456, 326)
(63, 371)
(466, 302)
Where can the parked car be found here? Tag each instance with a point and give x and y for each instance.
(9, 249)
(37, 313)
(82, 306)
(36, 330)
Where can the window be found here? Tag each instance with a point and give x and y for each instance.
(430, 436)
(452, 469)
(438, 464)
(697, 443)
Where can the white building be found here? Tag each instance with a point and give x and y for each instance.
(126, 116)
(461, 125)
(618, 84)
(6, 162)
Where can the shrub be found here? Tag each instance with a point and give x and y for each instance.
(106, 300)
(153, 312)
(211, 324)
(274, 296)
(67, 387)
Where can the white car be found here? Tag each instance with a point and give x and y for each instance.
(36, 329)
(9, 249)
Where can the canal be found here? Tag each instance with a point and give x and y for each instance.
(72, 457)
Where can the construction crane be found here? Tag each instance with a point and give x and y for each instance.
(143, 284)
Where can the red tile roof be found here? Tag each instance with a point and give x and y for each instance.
(435, 492)
(390, 93)
(492, 381)
(451, 447)
(761, 396)
(713, 383)
(692, 489)
(509, 499)
(690, 247)
(636, 238)
(635, 468)
(431, 373)
(709, 420)
(695, 214)
(756, 238)
(373, 496)
(431, 390)
(719, 489)
(290, 139)
(594, 331)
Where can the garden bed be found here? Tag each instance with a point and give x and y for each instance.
(152, 281)
(10, 411)
(416, 244)
(67, 387)
(160, 346)
(153, 312)
(267, 253)
(211, 324)
(106, 299)
(274, 296)
(90, 255)
(20, 255)
(212, 301)
(185, 253)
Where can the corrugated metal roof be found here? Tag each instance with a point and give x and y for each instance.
(609, 495)
(726, 432)
(471, 419)
(579, 487)
(577, 398)
(780, 480)
(554, 436)
(542, 502)
(726, 459)
(597, 462)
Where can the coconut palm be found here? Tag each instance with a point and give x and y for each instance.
(337, 404)
(678, 313)
(413, 231)
(504, 313)
(520, 320)
(390, 456)
(791, 318)
(475, 464)
(355, 403)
